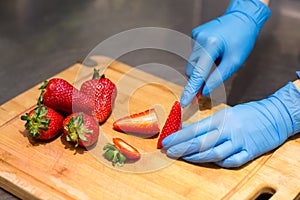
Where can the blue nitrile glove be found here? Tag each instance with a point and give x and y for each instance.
(230, 37)
(234, 136)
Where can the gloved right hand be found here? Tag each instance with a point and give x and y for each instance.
(230, 37)
(234, 136)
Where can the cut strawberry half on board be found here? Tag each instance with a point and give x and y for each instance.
(128, 150)
(120, 151)
(145, 123)
(173, 123)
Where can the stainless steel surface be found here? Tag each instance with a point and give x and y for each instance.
(41, 38)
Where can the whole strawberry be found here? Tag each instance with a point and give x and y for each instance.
(172, 124)
(43, 123)
(103, 92)
(60, 95)
(81, 129)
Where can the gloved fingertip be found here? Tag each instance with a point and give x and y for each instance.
(221, 164)
(165, 142)
(189, 69)
(205, 91)
(185, 126)
(183, 102)
(185, 99)
(172, 154)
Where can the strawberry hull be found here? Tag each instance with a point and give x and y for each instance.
(81, 129)
(43, 123)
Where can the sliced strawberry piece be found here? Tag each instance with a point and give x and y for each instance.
(172, 124)
(145, 123)
(129, 151)
(120, 151)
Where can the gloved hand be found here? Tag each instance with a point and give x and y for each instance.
(230, 37)
(233, 136)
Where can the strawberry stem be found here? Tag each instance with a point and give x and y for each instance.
(113, 154)
(96, 75)
(38, 121)
(77, 130)
(43, 89)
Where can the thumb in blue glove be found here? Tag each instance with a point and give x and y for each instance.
(230, 37)
(236, 135)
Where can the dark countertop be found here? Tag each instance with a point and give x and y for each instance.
(38, 39)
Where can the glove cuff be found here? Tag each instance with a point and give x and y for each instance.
(289, 96)
(254, 9)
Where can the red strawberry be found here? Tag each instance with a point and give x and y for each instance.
(173, 123)
(81, 129)
(129, 151)
(103, 92)
(145, 123)
(62, 96)
(199, 93)
(43, 123)
(120, 151)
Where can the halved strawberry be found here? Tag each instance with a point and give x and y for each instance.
(43, 123)
(145, 123)
(129, 151)
(172, 124)
(120, 151)
(81, 129)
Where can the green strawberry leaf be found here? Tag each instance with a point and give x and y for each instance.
(113, 154)
(77, 130)
(82, 137)
(43, 89)
(37, 122)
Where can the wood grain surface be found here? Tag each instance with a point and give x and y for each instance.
(55, 170)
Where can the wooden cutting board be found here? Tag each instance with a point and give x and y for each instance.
(55, 170)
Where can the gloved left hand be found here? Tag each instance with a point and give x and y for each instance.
(236, 135)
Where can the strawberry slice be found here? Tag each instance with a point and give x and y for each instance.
(120, 151)
(145, 123)
(172, 124)
(129, 151)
